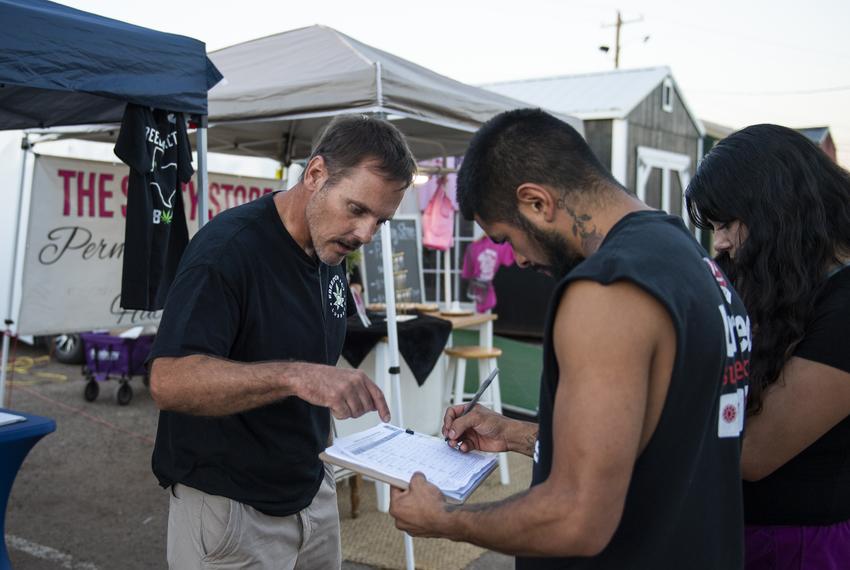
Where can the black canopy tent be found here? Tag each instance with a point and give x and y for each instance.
(60, 66)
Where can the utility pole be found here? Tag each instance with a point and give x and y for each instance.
(619, 24)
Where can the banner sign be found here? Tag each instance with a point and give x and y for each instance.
(75, 242)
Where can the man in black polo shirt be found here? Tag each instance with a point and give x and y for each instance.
(636, 456)
(243, 367)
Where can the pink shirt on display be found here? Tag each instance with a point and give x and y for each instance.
(482, 259)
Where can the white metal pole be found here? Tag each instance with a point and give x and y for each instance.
(5, 364)
(393, 360)
(392, 327)
(203, 178)
(456, 247)
(437, 295)
(447, 277)
(410, 563)
(9, 321)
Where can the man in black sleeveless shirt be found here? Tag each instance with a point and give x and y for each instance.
(636, 456)
(244, 360)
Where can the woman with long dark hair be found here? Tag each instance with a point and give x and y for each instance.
(780, 212)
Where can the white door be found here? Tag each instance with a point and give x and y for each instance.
(670, 164)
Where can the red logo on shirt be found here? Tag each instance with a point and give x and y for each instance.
(729, 414)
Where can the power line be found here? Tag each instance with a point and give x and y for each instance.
(834, 89)
(677, 24)
(750, 38)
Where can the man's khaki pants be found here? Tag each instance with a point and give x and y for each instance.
(208, 531)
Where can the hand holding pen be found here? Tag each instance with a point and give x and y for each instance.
(480, 429)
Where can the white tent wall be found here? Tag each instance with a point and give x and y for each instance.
(11, 156)
(13, 219)
(10, 170)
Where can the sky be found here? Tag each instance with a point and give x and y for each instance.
(737, 62)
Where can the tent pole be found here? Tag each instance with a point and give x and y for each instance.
(392, 327)
(393, 357)
(9, 321)
(447, 277)
(456, 246)
(437, 275)
(203, 179)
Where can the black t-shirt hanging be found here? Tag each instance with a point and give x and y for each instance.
(154, 144)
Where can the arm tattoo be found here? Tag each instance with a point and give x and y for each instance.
(484, 507)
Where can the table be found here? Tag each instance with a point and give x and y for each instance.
(421, 340)
(483, 322)
(423, 405)
(16, 440)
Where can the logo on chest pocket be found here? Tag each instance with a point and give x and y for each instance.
(336, 297)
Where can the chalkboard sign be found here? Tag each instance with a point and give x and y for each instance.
(407, 240)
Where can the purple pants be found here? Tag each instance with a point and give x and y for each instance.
(797, 547)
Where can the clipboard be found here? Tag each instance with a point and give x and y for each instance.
(484, 464)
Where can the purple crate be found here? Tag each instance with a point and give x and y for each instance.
(112, 356)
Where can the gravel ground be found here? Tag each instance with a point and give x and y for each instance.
(85, 497)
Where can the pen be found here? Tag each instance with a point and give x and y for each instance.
(475, 398)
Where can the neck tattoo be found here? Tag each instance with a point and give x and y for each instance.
(583, 228)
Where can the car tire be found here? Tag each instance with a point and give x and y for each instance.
(68, 348)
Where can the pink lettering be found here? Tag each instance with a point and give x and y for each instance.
(228, 188)
(736, 372)
(85, 193)
(740, 371)
(125, 184)
(214, 190)
(66, 187)
(103, 194)
(240, 196)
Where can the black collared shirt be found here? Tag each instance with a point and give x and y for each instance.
(246, 291)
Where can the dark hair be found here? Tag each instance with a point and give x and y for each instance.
(350, 139)
(795, 203)
(521, 146)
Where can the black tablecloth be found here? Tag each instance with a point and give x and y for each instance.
(420, 341)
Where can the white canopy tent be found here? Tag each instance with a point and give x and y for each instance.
(281, 91)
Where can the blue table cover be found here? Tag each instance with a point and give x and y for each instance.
(16, 440)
